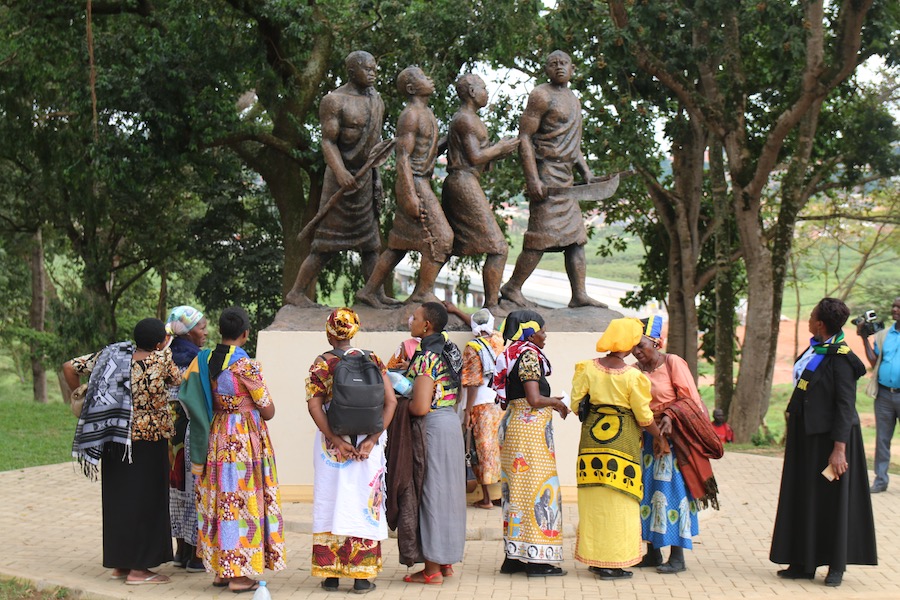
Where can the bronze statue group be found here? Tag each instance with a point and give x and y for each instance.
(462, 221)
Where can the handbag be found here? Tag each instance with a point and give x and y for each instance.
(471, 454)
(471, 460)
(584, 407)
(76, 400)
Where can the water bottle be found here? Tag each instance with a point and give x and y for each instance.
(262, 592)
(401, 384)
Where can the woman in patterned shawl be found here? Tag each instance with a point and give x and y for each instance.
(349, 519)
(608, 472)
(532, 506)
(238, 503)
(124, 425)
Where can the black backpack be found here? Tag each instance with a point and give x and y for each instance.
(357, 394)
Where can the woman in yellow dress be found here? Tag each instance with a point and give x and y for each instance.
(608, 473)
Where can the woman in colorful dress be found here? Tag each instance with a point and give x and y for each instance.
(238, 503)
(435, 372)
(187, 326)
(679, 483)
(122, 432)
(613, 400)
(532, 506)
(348, 491)
(482, 413)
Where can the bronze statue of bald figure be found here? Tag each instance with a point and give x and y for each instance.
(419, 222)
(550, 150)
(352, 117)
(469, 153)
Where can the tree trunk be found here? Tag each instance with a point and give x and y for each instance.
(724, 282)
(754, 383)
(675, 342)
(161, 312)
(287, 180)
(36, 316)
(689, 145)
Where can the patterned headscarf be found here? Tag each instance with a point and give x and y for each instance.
(653, 329)
(342, 323)
(182, 319)
(521, 324)
(620, 336)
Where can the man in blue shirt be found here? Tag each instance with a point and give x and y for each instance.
(884, 355)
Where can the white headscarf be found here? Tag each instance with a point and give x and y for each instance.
(482, 322)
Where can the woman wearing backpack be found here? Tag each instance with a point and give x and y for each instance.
(348, 490)
(435, 371)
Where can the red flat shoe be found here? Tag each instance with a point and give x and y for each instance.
(447, 570)
(426, 579)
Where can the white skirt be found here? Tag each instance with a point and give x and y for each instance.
(348, 495)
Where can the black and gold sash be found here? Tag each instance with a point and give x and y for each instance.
(610, 450)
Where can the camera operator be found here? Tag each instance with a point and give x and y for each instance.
(884, 356)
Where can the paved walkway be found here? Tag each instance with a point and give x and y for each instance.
(51, 525)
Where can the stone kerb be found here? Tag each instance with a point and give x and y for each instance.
(289, 346)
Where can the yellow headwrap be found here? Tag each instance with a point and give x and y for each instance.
(342, 323)
(620, 336)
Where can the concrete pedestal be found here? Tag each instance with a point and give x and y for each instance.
(287, 355)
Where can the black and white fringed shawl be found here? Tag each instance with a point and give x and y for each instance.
(106, 416)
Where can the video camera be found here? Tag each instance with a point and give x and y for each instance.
(868, 324)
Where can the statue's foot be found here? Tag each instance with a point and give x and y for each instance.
(514, 296)
(386, 300)
(585, 300)
(422, 297)
(300, 300)
(369, 299)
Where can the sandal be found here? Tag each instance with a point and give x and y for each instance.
(426, 579)
(156, 578)
(447, 570)
(252, 588)
(217, 582)
(488, 506)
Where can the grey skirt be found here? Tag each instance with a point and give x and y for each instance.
(442, 507)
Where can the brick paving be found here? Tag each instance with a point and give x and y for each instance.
(51, 520)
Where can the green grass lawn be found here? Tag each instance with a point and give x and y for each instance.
(14, 589)
(31, 434)
(621, 266)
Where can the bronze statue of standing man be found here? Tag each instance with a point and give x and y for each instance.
(550, 149)
(352, 117)
(475, 229)
(419, 223)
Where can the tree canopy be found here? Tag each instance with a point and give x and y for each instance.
(168, 151)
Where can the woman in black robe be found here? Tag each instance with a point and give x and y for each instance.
(824, 517)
